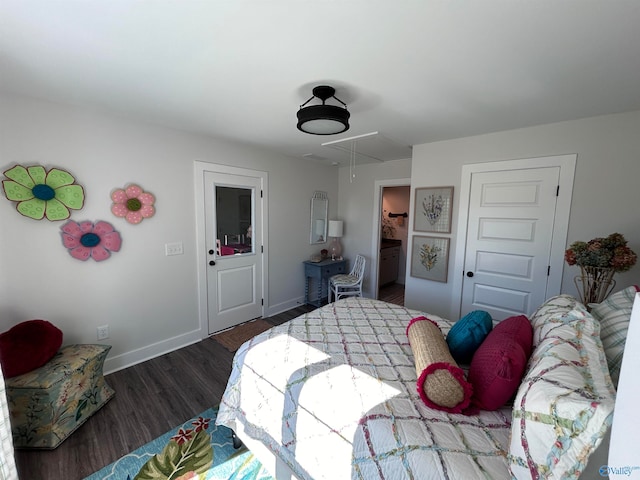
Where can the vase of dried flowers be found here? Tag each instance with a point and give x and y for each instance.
(599, 259)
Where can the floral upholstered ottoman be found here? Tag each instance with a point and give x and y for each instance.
(49, 403)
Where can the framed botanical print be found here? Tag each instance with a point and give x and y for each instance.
(433, 209)
(430, 258)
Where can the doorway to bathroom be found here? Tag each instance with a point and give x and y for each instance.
(392, 227)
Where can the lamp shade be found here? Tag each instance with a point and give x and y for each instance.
(335, 228)
(324, 119)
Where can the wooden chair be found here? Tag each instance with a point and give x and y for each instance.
(349, 285)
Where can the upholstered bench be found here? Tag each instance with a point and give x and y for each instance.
(49, 403)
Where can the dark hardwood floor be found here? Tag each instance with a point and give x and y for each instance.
(151, 398)
(392, 293)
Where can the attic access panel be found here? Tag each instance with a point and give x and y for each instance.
(369, 148)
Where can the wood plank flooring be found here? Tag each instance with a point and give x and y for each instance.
(151, 398)
(392, 293)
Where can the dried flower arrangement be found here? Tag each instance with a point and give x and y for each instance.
(598, 260)
(609, 252)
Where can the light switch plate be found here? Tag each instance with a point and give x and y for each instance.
(173, 248)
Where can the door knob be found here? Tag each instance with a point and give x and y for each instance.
(212, 262)
(211, 252)
(469, 274)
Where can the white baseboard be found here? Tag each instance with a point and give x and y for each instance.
(284, 306)
(128, 359)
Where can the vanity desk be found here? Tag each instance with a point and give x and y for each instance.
(317, 276)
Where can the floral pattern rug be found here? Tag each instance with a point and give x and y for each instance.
(198, 449)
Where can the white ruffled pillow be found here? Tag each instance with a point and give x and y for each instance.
(564, 405)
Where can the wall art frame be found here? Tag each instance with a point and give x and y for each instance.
(432, 212)
(430, 258)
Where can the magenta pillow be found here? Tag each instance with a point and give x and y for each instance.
(27, 346)
(499, 364)
(520, 329)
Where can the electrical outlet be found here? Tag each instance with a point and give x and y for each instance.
(103, 332)
(173, 248)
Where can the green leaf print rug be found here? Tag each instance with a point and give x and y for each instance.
(196, 450)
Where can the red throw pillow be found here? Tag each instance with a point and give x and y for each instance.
(497, 367)
(27, 346)
(520, 329)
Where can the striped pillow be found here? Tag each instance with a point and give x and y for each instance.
(614, 314)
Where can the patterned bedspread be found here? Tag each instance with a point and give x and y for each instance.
(332, 393)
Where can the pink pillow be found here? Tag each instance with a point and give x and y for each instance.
(27, 346)
(520, 329)
(499, 364)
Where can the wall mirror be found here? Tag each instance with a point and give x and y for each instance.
(319, 213)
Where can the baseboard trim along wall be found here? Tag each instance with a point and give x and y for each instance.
(128, 359)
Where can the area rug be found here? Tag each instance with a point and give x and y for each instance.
(233, 338)
(197, 449)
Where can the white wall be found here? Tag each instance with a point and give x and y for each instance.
(605, 195)
(356, 208)
(148, 300)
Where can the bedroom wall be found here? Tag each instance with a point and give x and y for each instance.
(605, 195)
(148, 300)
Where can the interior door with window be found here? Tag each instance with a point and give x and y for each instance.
(233, 230)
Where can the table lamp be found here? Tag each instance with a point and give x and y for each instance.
(335, 232)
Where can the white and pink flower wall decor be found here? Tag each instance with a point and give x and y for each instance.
(41, 193)
(86, 240)
(132, 203)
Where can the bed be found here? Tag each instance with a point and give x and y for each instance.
(332, 395)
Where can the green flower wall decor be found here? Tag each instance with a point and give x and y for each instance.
(40, 193)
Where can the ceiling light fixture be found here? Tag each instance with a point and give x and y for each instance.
(323, 119)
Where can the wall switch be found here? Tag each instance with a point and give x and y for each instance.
(173, 248)
(103, 332)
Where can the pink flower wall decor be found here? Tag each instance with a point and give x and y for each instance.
(86, 239)
(133, 204)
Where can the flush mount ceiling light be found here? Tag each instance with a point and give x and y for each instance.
(323, 119)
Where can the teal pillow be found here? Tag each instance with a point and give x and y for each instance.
(467, 334)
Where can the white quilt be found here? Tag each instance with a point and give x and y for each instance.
(332, 393)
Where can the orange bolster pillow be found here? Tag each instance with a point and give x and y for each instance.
(441, 382)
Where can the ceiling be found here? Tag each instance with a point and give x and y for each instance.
(415, 71)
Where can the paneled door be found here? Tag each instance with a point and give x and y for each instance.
(509, 237)
(233, 231)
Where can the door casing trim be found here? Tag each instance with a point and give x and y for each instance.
(567, 164)
(199, 170)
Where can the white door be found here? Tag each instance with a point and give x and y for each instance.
(233, 231)
(509, 240)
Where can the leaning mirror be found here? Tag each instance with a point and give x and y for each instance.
(319, 212)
